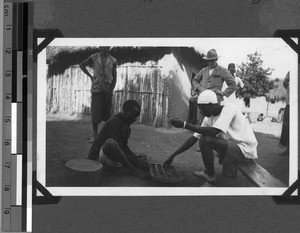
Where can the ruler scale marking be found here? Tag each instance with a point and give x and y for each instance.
(16, 174)
(20, 27)
(14, 50)
(16, 112)
(13, 200)
(29, 85)
(17, 116)
(19, 128)
(24, 115)
(6, 133)
(19, 87)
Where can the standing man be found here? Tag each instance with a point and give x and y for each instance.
(103, 83)
(285, 132)
(212, 78)
(193, 104)
(224, 130)
(238, 81)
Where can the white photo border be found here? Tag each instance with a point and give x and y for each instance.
(150, 191)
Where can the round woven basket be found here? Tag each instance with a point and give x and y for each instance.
(83, 172)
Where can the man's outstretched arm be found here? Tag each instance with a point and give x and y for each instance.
(185, 146)
(204, 130)
(207, 131)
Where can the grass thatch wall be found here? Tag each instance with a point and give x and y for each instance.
(139, 77)
(278, 93)
(69, 93)
(144, 84)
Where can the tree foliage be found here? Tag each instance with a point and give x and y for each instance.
(254, 76)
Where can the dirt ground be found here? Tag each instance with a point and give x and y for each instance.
(67, 138)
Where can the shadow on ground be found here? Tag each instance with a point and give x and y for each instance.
(66, 140)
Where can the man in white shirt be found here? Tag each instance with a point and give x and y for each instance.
(224, 130)
(238, 81)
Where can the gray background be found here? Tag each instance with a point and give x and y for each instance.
(166, 18)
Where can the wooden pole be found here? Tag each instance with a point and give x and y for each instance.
(267, 108)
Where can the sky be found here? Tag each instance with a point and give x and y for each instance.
(275, 53)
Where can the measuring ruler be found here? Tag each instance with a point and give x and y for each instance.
(15, 172)
(7, 126)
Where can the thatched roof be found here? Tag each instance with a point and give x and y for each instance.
(277, 93)
(59, 58)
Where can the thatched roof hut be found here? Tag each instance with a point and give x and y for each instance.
(146, 72)
(278, 93)
(60, 58)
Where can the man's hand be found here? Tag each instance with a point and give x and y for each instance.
(96, 80)
(176, 122)
(142, 157)
(168, 161)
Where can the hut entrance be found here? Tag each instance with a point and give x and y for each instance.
(69, 93)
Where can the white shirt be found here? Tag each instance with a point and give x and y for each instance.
(234, 126)
(232, 97)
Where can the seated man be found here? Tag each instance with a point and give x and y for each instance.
(224, 130)
(110, 145)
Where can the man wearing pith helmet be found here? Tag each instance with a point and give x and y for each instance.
(224, 130)
(212, 78)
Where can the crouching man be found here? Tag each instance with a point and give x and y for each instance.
(110, 146)
(224, 130)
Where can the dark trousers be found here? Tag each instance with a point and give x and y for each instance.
(285, 132)
(193, 111)
(228, 151)
(101, 107)
(247, 102)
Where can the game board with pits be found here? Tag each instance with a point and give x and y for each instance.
(165, 174)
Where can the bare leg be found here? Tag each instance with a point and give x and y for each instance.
(113, 151)
(95, 131)
(207, 144)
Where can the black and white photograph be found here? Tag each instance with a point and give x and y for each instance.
(150, 116)
(167, 116)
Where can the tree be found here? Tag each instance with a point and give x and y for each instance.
(254, 76)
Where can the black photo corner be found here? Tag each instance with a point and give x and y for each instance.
(50, 34)
(286, 197)
(156, 51)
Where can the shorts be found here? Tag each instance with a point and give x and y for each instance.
(100, 107)
(105, 161)
(234, 153)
